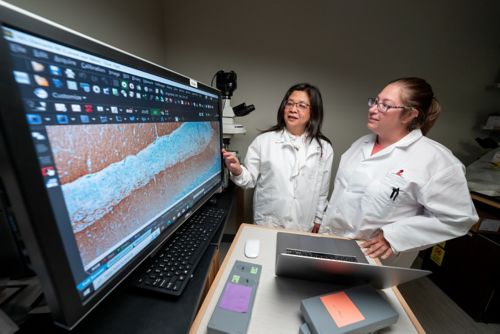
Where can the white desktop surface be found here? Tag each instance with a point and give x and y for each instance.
(277, 303)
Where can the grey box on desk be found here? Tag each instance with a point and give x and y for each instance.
(304, 329)
(234, 309)
(360, 309)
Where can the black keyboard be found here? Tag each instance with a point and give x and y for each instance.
(171, 268)
(319, 255)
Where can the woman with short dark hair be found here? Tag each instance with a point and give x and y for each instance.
(289, 164)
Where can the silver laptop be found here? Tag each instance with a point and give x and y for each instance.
(333, 260)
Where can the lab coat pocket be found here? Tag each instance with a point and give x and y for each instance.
(382, 196)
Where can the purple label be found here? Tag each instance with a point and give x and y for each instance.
(236, 298)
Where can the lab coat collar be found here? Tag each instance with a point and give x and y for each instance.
(283, 138)
(404, 142)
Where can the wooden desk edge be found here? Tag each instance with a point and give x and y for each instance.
(485, 200)
(209, 296)
(408, 311)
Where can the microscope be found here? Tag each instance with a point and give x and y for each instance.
(226, 82)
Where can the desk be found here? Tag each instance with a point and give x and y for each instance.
(130, 310)
(487, 207)
(277, 302)
(478, 198)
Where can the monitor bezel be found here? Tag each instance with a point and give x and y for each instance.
(19, 169)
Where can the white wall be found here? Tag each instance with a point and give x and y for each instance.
(349, 49)
(134, 26)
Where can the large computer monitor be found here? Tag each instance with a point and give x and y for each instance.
(102, 156)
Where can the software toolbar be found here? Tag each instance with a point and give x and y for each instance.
(77, 88)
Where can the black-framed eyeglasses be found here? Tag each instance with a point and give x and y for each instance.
(301, 106)
(383, 107)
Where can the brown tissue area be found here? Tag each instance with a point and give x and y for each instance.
(104, 147)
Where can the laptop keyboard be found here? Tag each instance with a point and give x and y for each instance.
(319, 255)
(171, 268)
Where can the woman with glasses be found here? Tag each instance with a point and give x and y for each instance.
(289, 164)
(396, 189)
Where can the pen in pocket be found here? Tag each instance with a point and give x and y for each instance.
(394, 194)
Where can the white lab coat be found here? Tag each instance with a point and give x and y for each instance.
(291, 179)
(432, 203)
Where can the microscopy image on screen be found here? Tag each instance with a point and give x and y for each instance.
(116, 178)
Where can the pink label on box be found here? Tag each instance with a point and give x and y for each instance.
(342, 309)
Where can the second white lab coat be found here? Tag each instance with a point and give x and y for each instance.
(414, 190)
(291, 179)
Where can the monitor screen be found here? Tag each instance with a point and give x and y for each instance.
(104, 155)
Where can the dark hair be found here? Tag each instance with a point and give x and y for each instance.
(418, 94)
(313, 127)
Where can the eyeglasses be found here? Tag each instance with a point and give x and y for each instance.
(301, 106)
(382, 107)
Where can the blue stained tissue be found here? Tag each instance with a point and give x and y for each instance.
(92, 196)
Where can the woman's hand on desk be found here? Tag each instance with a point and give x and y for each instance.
(377, 246)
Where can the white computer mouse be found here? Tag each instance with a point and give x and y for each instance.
(252, 247)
